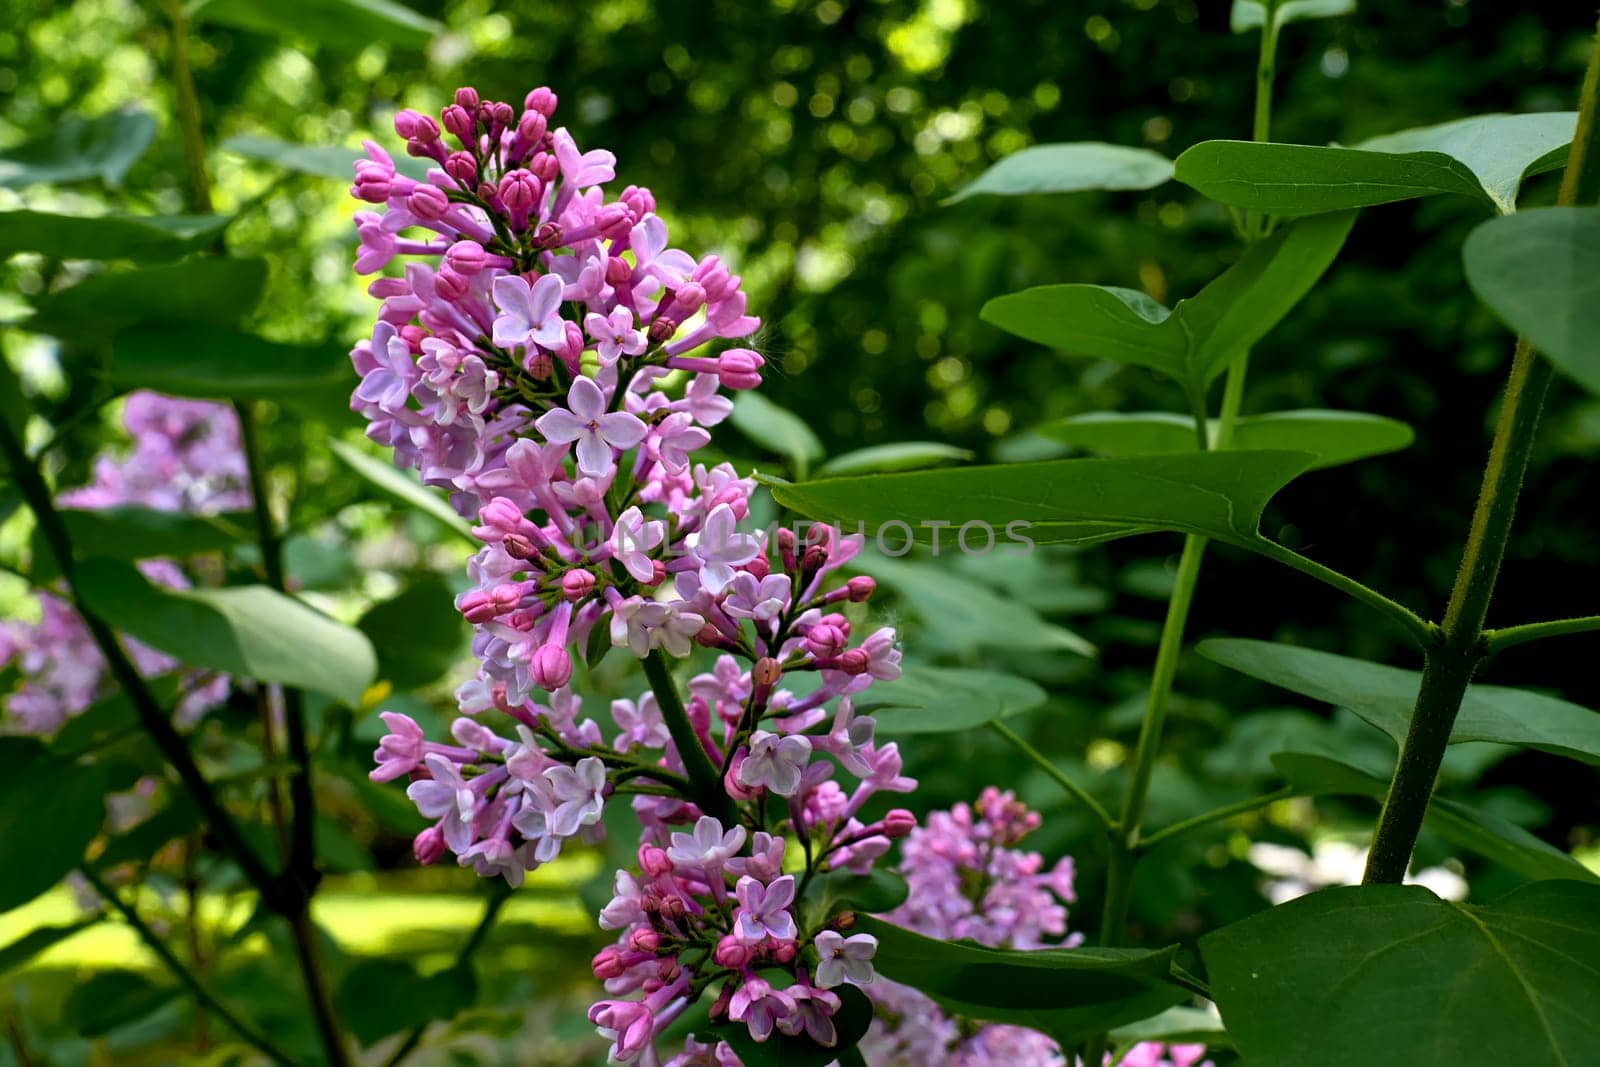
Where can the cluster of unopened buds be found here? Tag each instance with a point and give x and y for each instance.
(551, 361)
(183, 455)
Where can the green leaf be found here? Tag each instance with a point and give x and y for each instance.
(1334, 437)
(1384, 696)
(1178, 1025)
(249, 631)
(216, 363)
(111, 999)
(960, 612)
(1485, 833)
(1070, 994)
(131, 532)
(933, 700)
(1070, 168)
(321, 161)
(143, 237)
(900, 456)
(77, 148)
(177, 818)
(110, 717)
(1386, 976)
(50, 809)
(1485, 157)
(382, 997)
(346, 24)
(217, 292)
(418, 634)
(402, 488)
(1068, 501)
(777, 430)
(838, 890)
(1250, 15)
(38, 940)
(1540, 272)
(1194, 341)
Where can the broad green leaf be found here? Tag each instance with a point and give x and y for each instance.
(1250, 15)
(1193, 342)
(216, 363)
(1335, 437)
(77, 148)
(347, 24)
(418, 634)
(1070, 168)
(50, 809)
(931, 700)
(111, 999)
(142, 237)
(401, 487)
(1392, 976)
(38, 940)
(1483, 832)
(133, 532)
(1540, 272)
(381, 997)
(110, 717)
(1182, 1025)
(1070, 994)
(1485, 157)
(216, 292)
(777, 430)
(248, 631)
(1068, 501)
(322, 161)
(837, 890)
(960, 613)
(900, 456)
(1384, 696)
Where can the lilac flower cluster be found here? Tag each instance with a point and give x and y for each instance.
(546, 356)
(184, 456)
(969, 880)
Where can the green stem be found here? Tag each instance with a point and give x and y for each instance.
(1420, 630)
(499, 893)
(187, 978)
(709, 795)
(1227, 811)
(1499, 640)
(308, 955)
(152, 717)
(188, 107)
(1073, 789)
(1256, 226)
(1462, 646)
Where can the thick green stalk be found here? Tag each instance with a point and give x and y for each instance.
(709, 795)
(1461, 644)
(249, 1034)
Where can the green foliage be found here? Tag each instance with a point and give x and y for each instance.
(418, 635)
(926, 700)
(217, 363)
(1250, 15)
(1070, 168)
(50, 809)
(133, 533)
(1193, 342)
(77, 149)
(138, 237)
(1486, 157)
(213, 292)
(402, 488)
(247, 630)
(886, 459)
(1334, 437)
(1384, 696)
(1540, 272)
(321, 161)
(345, 24)
(1074, 501)
(382, 997)
(1386, 975)
(776, 430)
(114, 998)
(1070, 994)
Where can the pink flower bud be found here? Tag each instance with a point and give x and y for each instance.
(614, 220)
(731, 783)
(814, 558)
(411, 124)
(429, 846)
(548, 235)
(449, 284)
(466, 258)
(413, 336)
(541, 100)
(467, 97)
(577, 584)
(552, 667)
(658, 572)
(861, 587)
(644, 939)
(544, 166)
(617, 271)
(538, 364)
(719, 1007)
(898, 822)
(766, 672)
(653, 861)
(518, 546)
(740, 368)
(854, 661)
(760, 566)
(373, 182)
(519, 191)
(428, 202)
(689, 297)
(639, 199)
(782, 951)
(460, 122)
(463, 168)
(731, 952)
(501, 113)
(607, 963)
(825, 641)
(662, 329)
(532, 126)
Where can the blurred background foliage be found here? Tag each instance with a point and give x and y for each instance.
(812, 143)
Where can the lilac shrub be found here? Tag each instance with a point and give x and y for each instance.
(184, 456)
(549, 359)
